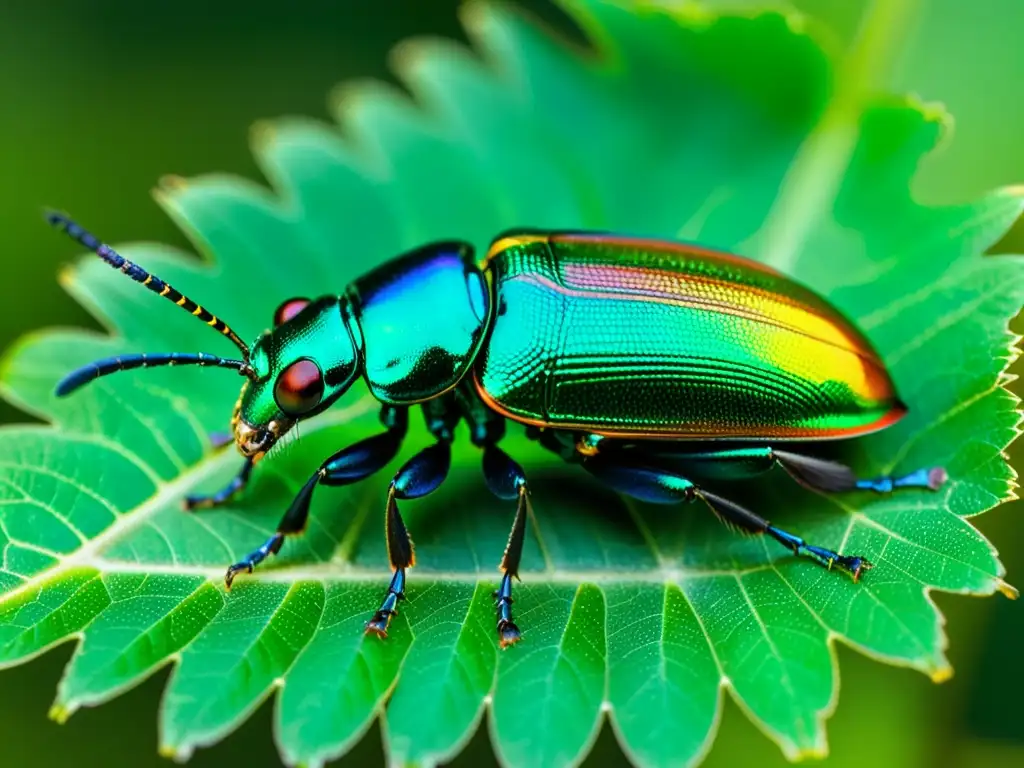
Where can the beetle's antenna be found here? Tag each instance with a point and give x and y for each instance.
(139, 275)
(87, 373)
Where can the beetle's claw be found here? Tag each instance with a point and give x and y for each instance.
(856, 566)
(508, 634)
(379, 624)
(937, 477)
(192, 503)
(234, 570)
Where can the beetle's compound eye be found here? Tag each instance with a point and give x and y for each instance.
(288, 310)
(299, 388)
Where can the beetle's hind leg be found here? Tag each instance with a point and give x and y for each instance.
(655, 483)
(831, 476)
(811, 471)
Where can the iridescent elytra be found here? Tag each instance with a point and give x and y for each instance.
(654, 365)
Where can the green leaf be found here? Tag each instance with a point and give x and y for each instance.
(681, 126)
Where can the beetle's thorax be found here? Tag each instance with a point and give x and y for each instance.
(419, 321)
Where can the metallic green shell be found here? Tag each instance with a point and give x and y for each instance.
(421, 319)
(629, 337)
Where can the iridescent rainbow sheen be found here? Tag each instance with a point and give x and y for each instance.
(629, 337)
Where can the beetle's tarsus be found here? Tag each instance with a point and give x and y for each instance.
(234, 570)
(270, 547)
(928, 478)
(381, 620)
(508, 634)
(379, 624)
(855, 565)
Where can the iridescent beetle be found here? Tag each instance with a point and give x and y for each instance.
(652, 364)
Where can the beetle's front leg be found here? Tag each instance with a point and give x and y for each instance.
(226, 494)
(350, 465)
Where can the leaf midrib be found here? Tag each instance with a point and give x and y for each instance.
(337, 571)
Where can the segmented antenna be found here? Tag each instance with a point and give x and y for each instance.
(139, 275)
(93, 371)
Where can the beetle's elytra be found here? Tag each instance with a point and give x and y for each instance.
(654, 365)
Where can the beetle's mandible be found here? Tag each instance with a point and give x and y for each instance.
(653, 365)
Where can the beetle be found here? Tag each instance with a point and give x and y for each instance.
(654, 365)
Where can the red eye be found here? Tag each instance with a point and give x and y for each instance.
(288, 310)
(299, 388)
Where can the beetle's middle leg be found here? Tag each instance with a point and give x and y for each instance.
(642, 477)
(506, 480)
(811, 471)
(422, 474)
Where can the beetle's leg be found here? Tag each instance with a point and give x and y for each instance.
(226, 494)
(422, 474)
(811, 471)
(824, 475)
(349, 465)
(506, 480)
(662, 486)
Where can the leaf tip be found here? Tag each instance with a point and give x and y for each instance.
(66, 276)
(170, 752)
(411, 57)
(942, 674)
(1008, 590)
(931, 111)
(172, 183)
(61, 713)
(262, 133)
(817, 752)
(342, 97)
(1015, 191)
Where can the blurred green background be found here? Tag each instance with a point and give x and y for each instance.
(102, 97)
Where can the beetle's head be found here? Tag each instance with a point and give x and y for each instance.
(309, 359)
(300, 368)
